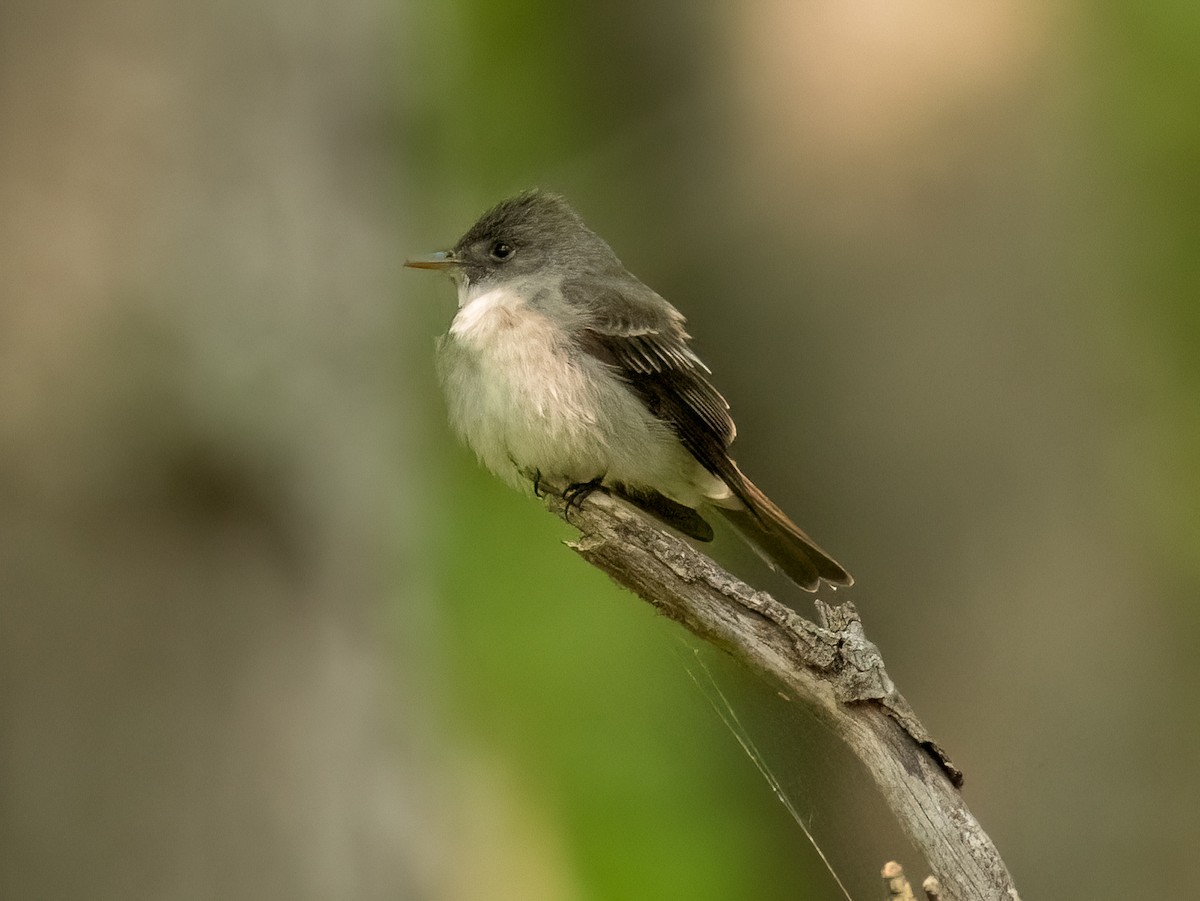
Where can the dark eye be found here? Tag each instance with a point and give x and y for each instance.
(501, 251)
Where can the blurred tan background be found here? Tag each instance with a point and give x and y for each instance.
(267, 632)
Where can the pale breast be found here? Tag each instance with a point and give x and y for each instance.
(518, 395)
(527, 400)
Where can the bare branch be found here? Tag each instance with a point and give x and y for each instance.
(830, 666)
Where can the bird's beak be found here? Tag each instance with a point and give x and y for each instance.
(443, 259)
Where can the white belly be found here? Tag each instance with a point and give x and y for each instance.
(526, 401)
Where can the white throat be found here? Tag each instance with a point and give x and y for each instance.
(485, 309)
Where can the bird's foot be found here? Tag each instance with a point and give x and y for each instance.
(541, 485)
(577, 492)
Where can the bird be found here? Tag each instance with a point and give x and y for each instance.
(560, 367)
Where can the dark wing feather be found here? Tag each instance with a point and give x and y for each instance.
(640, 335)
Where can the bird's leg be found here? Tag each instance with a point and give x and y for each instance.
(577, 492)
(533, 474)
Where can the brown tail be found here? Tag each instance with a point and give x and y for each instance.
(778, 539)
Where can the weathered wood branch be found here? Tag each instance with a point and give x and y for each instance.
(830, 666)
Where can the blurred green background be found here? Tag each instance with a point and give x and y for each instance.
(266, 631)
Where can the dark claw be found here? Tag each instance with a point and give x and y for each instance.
(537, 484)
(577, 492)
